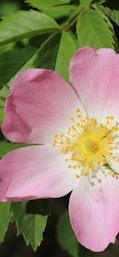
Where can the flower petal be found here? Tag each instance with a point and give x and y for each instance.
(115, 166)
(95, 75)
(34, 172)
(40, 105)
(94, 212)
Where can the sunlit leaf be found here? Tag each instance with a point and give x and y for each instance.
(84, 3)
(96, 32)
(24, 24)
(46, 3)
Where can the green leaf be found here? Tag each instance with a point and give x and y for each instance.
(47, 53)
(24, 24)
(13, 61)
(46, 3)
(4, 91)
(66, 50)
(8, 8)
(59, 11)
(5, 217)
(6, 146)
(108, 22)
(66, 237)
(30, 218)
(84, 3)
(96, 31)
(58, 58)
(112, 14)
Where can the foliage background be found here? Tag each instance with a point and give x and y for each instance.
(46, 33)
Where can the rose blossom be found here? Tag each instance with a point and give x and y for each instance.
(74, 130)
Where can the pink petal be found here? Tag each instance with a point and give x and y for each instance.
(34, 172)
(94, 212)
(95, 75)
(40, 105)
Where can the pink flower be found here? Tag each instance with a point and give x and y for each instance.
(77, 127)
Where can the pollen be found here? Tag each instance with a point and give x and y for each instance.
(89, 146)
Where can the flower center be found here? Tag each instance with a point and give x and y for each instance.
(89, 146)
